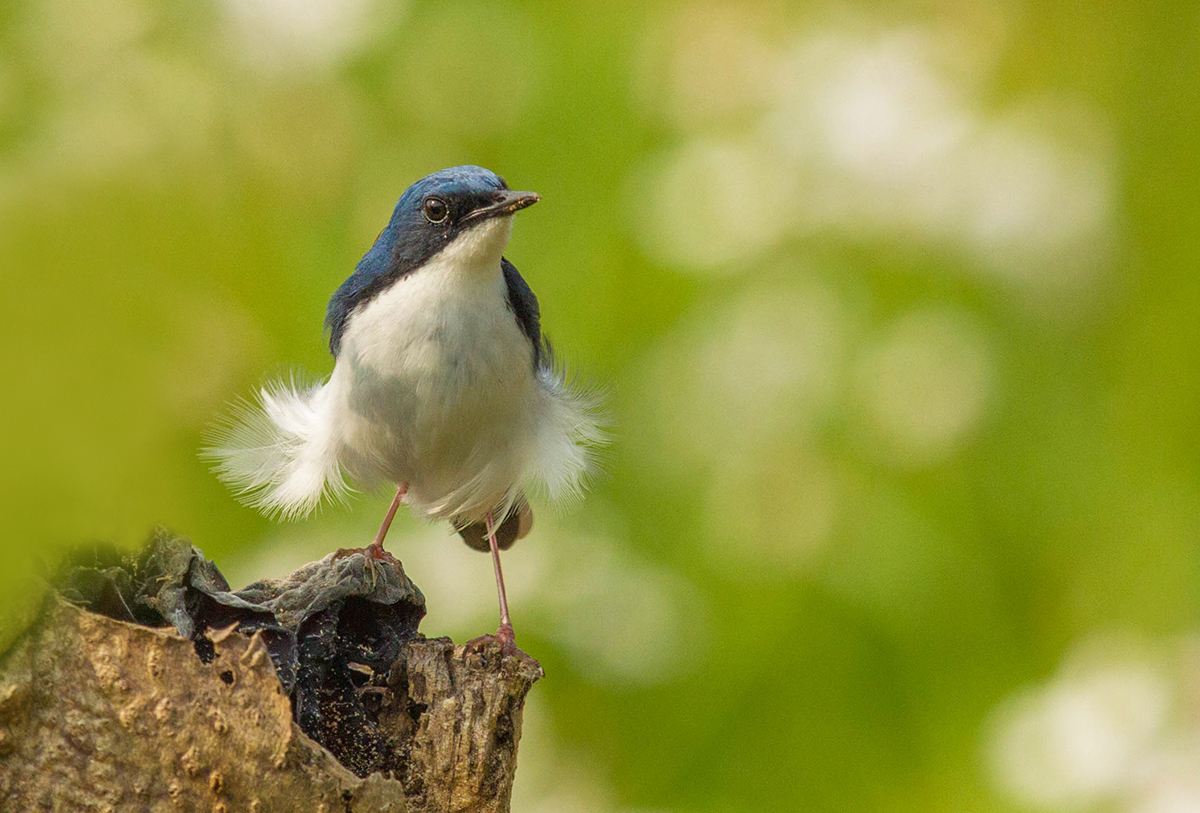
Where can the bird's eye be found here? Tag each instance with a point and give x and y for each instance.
(436, 210)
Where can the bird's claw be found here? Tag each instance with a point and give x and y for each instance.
(507, 639)
(373, 555)
(503, 636)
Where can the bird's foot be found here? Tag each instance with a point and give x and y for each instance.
(375, 556)
(503, 635)
(507, 638)
(374, 552)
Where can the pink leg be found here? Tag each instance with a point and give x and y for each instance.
(375, 549)
(505, 632)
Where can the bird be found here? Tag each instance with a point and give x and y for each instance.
(443, 386)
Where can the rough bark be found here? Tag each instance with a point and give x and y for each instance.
(100, 714)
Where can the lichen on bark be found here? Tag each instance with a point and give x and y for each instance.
(211, 713)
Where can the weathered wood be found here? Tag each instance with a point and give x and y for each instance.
(458, 722)
(97, 714)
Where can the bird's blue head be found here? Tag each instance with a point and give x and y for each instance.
(449, 207)
(440, 206)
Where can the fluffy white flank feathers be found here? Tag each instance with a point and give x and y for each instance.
(434, 386)
(280, 454)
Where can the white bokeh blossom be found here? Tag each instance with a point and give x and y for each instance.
(867, 133)
(1116, 729)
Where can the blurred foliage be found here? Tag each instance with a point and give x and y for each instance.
(896, 309)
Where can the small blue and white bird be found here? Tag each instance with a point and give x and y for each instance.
(443, 384)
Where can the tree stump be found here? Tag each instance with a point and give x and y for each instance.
(148, 685)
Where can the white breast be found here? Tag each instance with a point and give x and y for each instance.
(434, 385)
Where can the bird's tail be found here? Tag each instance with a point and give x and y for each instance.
(516, 524)
(280, 454)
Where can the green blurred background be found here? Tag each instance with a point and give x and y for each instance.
(896, 309)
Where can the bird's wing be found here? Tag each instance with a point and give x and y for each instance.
(524, 305)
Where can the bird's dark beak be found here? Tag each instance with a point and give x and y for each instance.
(503, 203)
